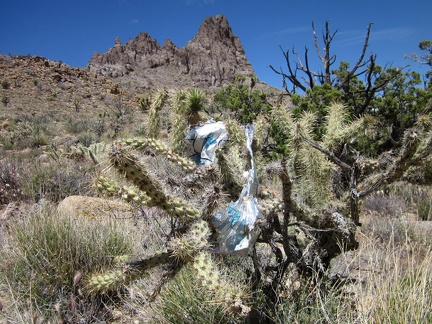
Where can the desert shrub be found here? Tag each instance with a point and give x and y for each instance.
(140, 129)
(418, 199)
(38, 137)
(48, 254)
(314, 301)
(87, 139)
(5, 100)
(56, 180)
(384, 205)
(242, 100)
(424, 208)
(385, 228)
(76, 126)
(27, 132)
(5, 84)
(11, 174)
(10, 181)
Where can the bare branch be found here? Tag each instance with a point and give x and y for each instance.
(328, 61)
(330, 155)
(292, 76)
(359, 62)
(316, 42)
(308, 72)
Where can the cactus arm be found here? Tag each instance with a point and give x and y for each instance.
(160, 148)
(232, 296)
(129, 272)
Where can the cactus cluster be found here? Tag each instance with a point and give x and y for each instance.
(191, 246)
(318, 177)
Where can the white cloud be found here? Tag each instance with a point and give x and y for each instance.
(392, 34)
(134, 21)
(356, 37)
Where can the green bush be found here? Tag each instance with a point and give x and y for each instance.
(5, 84)
(76, 126)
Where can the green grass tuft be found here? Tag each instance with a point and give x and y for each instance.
(49, 253)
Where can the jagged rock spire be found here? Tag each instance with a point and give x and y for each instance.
(214, 57)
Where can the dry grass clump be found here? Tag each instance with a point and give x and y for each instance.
(396, 284)
(10, 181)
(44, 261)
(22, 179)
(56, 180)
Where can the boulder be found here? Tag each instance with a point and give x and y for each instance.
(94, 207)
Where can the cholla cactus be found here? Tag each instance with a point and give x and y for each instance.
(190, 247)
(153, 126)
(306, 200)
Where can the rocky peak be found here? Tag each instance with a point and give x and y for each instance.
(212, 58)
(216, 28)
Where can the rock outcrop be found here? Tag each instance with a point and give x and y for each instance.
(213, 58)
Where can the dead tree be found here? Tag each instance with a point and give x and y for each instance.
(301, 77)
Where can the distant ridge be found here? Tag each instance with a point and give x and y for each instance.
(213, 58)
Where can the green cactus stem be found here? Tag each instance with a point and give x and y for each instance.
(153, 125)
(180, 208)
(130, 194)
(136, 173)
(107, 187)
(129, 165)
(195, 240)
(129, 272)
(161, 148)
(229, 294)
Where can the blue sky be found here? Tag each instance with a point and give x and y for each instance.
(71, 31)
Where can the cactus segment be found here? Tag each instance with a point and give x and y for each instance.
(107, 187)
(229, 294)
(153, 125)
(106, 282)
(161, 148)
(181, 209)
(129, 194)
(130, 271)
(125, 162)
(207, 272)
(138, 175)
(269, 206)
(195, 240)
